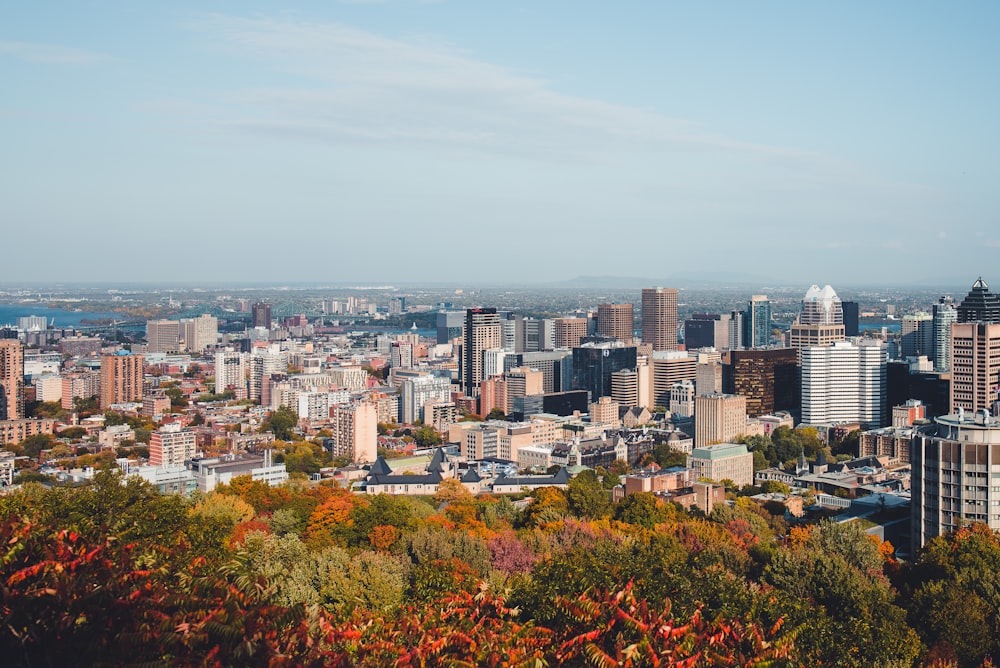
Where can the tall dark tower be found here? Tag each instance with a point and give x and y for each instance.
(980, 305)
(851, 318)
(261, 315)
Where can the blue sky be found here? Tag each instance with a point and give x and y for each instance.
(405, 141)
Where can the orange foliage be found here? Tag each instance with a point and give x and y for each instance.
(798, 537)
(333, 513)
(383, 536)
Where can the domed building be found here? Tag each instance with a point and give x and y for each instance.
(821, 306)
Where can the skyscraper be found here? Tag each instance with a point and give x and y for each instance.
(975, 365)
(659, 318)
(944, 314)
(668, 367)
(449, 325)
(121, 378)
(594, 364)
(11, 379)
(706, 330)
(261, 315)
(483, 331)
(844, 382)
(852, 324)
(757, 325)
(980, 305)
(769, 379)
(917, 335)
(569, 331)
(821, 321)
(616, 321)
(821, 306)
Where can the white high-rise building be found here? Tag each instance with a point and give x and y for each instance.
(844, 382)
(231, 372)
(264, 363)
(414, 393)
(199, 333)
(944, 314)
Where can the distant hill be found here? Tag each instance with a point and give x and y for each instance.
(720, 278)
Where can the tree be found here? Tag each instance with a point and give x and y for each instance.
(72, 433)
(33, 445)
(51, 410)
(177, 398)
(426, 436)
(587, 497)
(281, 423)
(496, 414)
(642, 509)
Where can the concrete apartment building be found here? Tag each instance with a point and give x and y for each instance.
(719, 418)
(171, 444)
(722, 461)
(121, 378)
(951, 483)
(11, 379)
(354, 430)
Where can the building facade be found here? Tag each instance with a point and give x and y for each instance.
(845, 382)
(951, 483)
(659, 318)
(121, 378)
(172, 445)
(769, 379)
(616, 321)
(975, 365)
(719, 418)
(11, 379)
(483, 331)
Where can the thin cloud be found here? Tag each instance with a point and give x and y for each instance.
(368, 87)
(51, 54)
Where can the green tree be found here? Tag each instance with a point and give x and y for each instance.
(496, 414)
(426, 436)
(587, 497)
(642, 509)
(281, 423)
(33, 445)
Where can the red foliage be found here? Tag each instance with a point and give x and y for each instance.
(510, 555)
(616, 629)
(243, 528)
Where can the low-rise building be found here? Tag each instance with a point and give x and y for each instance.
(722, 461)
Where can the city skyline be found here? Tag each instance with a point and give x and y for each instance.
(831, 143)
